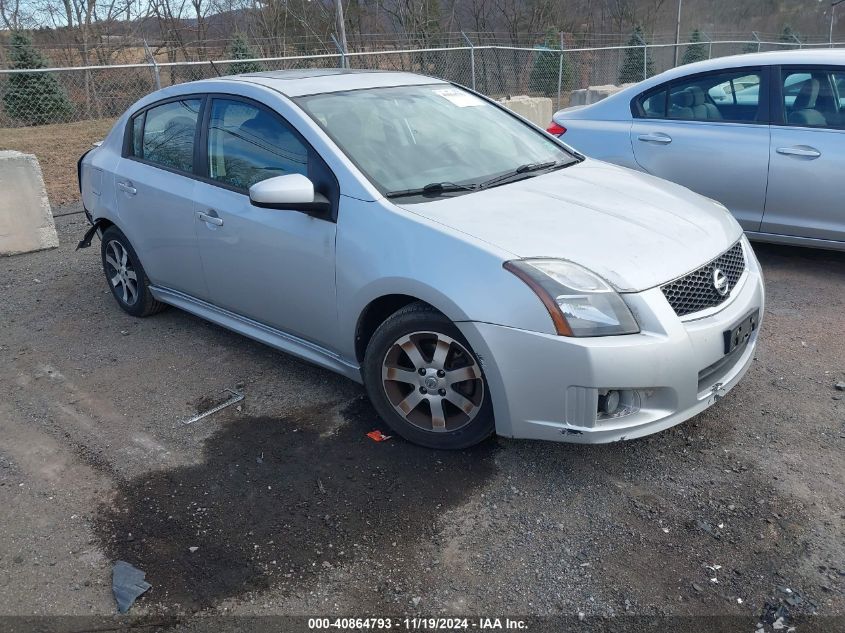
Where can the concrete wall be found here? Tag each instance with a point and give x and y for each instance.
(26, 221)
(538, 110)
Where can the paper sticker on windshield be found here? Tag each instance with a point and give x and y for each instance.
(459, 97)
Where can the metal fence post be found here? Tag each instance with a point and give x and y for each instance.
(343, 62)
(757, 38)
(560, 70)
(471, 57)
(645, 56)
(154, 64)
(709, 45)
(559, 77)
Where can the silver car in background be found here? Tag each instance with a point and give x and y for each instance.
(472, 271)
(764, 134)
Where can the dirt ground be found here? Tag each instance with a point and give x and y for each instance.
(52, 144)
(282, 505)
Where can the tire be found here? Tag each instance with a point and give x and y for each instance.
(431, 407)
(125, 275)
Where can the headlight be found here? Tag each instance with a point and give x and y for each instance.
(579, 302)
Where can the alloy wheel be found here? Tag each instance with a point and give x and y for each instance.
(433, 381)
(121, 273)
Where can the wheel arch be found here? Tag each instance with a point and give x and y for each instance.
(377, 312)
(104, 223)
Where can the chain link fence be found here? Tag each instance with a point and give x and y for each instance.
(63, 95)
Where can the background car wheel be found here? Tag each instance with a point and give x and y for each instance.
(126, 276)
(425, 381)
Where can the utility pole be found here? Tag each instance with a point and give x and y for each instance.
(833, 18)
(678, 30)
(341, 28)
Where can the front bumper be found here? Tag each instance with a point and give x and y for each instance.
(546, 386)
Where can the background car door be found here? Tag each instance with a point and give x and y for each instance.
(709, 133)
(155, 194)
(807, 156)
(274, 266)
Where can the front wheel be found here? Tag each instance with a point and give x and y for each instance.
(425, 381)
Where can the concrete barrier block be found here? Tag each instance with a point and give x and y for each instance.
(597, 93)
(586, 96)
(26, 220)
(578, 97)
(538, 110)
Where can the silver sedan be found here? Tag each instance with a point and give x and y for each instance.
(762, 133)
(472, 271)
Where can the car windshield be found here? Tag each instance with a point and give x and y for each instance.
(435, 137)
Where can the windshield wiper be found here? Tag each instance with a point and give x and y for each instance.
(431, 189)
(520, 172)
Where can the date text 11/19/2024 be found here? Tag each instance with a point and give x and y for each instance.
(417, 624)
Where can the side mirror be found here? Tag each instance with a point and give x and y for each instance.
(293, 192)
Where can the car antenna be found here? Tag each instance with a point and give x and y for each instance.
(214, 66)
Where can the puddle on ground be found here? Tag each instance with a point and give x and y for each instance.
(274, 504)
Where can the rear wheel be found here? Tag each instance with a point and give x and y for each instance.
(425, 381)
(126, 276)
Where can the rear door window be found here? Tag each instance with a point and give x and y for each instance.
(653, 105)
(168, 134)
(727, 96)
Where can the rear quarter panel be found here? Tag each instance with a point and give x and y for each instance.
(97, 174)
(609, 141)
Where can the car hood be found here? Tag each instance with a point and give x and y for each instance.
(635, 230)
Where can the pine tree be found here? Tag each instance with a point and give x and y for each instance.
(696, 51)
(632, 65)
(240, 49)
(788, 35)
(33, 98)
(547, 68)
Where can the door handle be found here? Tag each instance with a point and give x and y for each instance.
(211, 219)
(127, 187)
(657, 137)
(800, 150)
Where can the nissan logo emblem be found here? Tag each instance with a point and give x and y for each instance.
(720, 282)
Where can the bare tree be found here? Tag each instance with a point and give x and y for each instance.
(13, 16)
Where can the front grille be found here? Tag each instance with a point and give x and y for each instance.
(697, 291)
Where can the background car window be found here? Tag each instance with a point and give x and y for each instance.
(247, 145)
(138, 135)
(728, 96)
(169, 134)
(653, 106)
(813, 98)
(839, 78)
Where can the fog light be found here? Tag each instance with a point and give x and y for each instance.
(617, 403)
(609, 403)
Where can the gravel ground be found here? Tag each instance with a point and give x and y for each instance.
(281, 505)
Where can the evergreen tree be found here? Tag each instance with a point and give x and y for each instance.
(240, 49)
(547, 69)
(33, 98)
(750, 47)
(696, 51)
(788, 35)
(632, 65)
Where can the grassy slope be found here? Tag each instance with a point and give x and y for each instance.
(57, 147)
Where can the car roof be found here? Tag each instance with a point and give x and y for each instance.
(297, 83)
(615, 107)
(816, 56)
